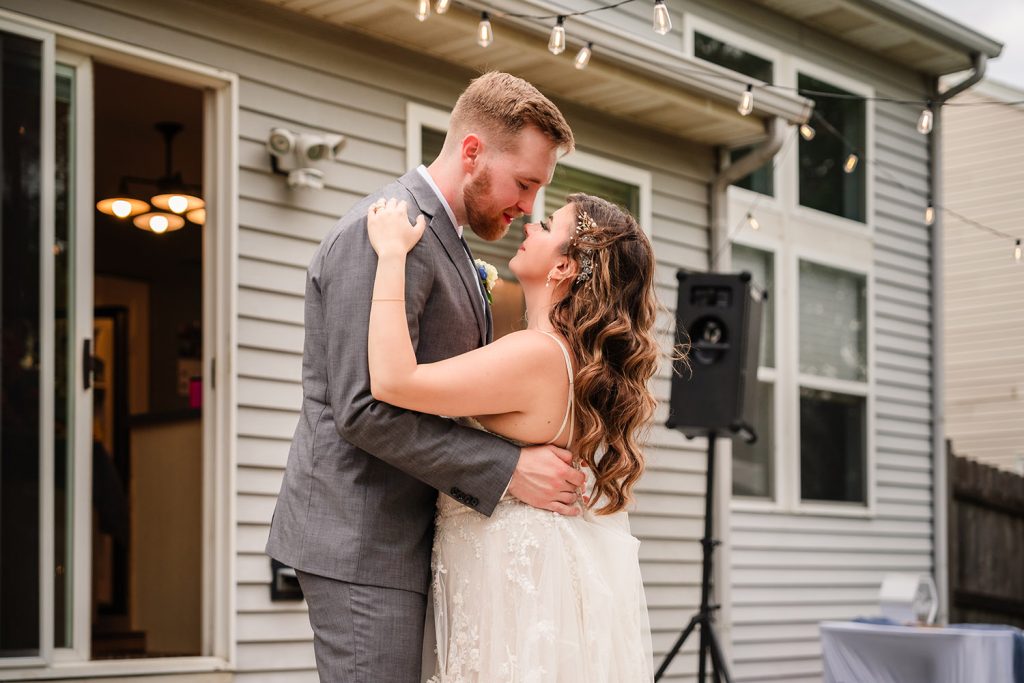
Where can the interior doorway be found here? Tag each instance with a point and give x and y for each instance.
(147, 285)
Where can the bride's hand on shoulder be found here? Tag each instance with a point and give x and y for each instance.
(391, 234)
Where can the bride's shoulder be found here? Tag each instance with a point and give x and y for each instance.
(532, 347)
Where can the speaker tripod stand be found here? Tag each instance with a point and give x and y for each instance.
(709, 644)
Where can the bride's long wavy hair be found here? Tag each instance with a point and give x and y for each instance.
(608, 320)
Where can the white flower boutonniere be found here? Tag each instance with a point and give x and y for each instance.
(488, 276)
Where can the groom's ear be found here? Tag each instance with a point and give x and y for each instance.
(472, 148)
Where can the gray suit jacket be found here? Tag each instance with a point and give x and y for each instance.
(357, 500)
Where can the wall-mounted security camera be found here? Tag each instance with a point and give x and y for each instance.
(320, 147)
(296, 154)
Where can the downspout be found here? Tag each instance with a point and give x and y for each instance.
(719, 259)
(940, 482)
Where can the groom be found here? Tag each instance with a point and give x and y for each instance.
(356, 508)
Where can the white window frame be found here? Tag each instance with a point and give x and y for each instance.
(220, 175)
(815, 217)
(792, 232)
(419, 116)
(773, 375)
(866, 389)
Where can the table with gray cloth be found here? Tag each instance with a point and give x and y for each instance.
(877, 653)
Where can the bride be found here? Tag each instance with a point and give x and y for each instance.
(527, 595)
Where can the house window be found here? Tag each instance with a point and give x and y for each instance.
(731, 57)
(626, 186)
(753, 465)
(833, 384)
(568, 180)
(824, 183)
(508, 307)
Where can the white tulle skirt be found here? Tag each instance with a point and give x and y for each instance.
(527, 596)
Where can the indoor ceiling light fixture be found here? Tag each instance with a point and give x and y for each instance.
(174, 197)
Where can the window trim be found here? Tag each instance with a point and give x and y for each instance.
(807, 214)
(773, 375)
(419, 116)
(866, 388)
(220, 284)
(794, 232)
(694, 23)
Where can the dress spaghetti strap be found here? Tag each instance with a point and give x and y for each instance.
(569, 416)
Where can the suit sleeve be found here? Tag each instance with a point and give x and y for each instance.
(474, 466)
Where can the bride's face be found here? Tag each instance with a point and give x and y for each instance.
(543, 245)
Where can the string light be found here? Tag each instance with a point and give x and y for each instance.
(925, 121)
(583, 56)
(850, 165)
(806, 132)
(662, 19)
(1017, 252)
(484, 33)
(442, 6)
(423, 10)
(556, 43)
(752, 222)
(746, 101)
(929, 215)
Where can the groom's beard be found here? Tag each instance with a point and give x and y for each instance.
(488, 226)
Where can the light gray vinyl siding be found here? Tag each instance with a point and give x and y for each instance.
(984, 317)
(309, 77)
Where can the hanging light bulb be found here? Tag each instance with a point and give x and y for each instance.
(752, 222)
(929, 215)
(122, 207)
(662, 19)
(746, 101)
(159, 223)
(177, 202)
(925, 120)
(1017, 254)
(556, 43)
(442, 6)
(423, 9)
(484, 33)
(806, 132)
(583, 56)
(851, 163)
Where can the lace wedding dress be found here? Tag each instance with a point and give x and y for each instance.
(529, 596)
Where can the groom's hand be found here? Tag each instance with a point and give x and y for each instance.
(545, 478)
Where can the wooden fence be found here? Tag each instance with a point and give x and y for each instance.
(986, 543)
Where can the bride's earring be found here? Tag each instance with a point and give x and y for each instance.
(547, 283)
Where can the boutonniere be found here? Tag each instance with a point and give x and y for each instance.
(488, 277)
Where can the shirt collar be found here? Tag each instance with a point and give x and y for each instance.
(444, 202)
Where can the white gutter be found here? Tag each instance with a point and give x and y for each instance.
(940, 479)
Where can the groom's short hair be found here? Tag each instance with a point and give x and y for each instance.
(501, 105)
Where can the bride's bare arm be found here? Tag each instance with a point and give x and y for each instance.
(497, 378)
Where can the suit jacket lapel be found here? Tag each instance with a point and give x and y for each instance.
(442, 227)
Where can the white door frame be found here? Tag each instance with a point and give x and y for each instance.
(220, 257)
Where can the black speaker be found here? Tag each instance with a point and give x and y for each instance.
(719, 316)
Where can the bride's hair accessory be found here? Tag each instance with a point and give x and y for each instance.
(585, 226)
